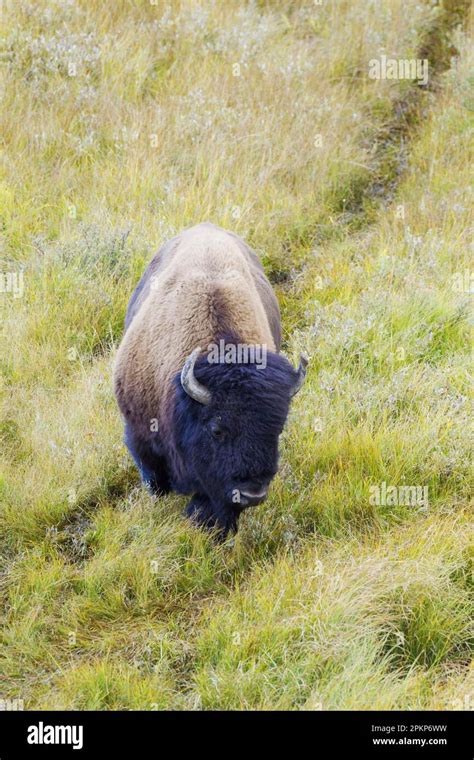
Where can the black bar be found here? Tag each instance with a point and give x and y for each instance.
(140, 734)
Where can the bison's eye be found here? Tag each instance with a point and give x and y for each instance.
(217, 431)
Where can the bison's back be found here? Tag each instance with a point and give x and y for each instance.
(202, 284)
(187, 246)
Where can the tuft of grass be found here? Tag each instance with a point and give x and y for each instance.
(342, 624)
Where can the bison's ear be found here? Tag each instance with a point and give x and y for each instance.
(193, 387)
(301, 375)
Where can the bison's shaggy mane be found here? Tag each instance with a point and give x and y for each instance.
(263, 391)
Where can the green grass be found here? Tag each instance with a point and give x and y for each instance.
(327, 600)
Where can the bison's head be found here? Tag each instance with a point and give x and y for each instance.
(228, 418)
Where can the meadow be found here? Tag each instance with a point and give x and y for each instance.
(121, 124)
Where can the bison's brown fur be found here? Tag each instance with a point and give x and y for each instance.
(204, 283)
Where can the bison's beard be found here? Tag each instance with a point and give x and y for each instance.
(223, 519)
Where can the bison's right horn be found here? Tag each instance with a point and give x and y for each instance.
(193, 387)
(301, 375)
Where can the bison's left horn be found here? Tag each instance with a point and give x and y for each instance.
(301, 375)
(193, 387)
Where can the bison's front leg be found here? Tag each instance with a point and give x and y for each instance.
(205, 514)
(151, 463)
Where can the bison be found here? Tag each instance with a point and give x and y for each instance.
(192, 425)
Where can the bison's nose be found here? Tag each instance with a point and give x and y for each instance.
(252, 496)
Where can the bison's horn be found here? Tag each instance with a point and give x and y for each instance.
(301, 375)
(193, 387)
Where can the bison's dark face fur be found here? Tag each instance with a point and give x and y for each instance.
(228, 449)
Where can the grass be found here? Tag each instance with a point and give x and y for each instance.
(120, 126)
